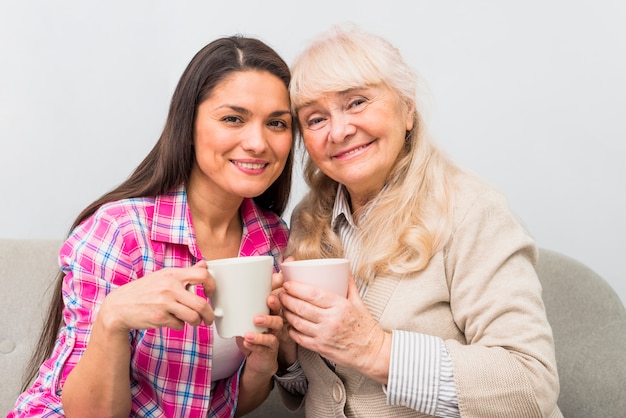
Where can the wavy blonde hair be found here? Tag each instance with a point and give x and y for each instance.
(409, 220)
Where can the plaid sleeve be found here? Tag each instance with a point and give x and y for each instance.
(224, 396)
(94, 264)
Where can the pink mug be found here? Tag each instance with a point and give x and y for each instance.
(328, 273)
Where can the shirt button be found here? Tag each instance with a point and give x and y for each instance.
(338, 393)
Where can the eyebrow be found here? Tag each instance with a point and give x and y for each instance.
(246, 112)
(341, 93)
(350, 91)
(280, 113)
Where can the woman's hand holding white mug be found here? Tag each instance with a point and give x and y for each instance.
(160, 299)
(340, 329)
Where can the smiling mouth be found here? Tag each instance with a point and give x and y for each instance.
(249, 166)
(353, 151)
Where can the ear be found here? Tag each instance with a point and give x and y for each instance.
(410, 112)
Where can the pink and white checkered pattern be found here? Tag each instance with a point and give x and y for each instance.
(170, 370)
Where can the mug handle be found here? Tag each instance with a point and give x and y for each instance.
(218, 312)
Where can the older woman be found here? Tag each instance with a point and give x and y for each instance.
(444, 316)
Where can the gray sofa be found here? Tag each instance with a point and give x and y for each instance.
(588, 319)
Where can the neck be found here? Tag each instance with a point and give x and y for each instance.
(359, 201)
(216, 222)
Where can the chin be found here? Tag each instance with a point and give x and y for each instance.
(251, 192)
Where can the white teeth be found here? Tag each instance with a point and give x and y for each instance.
(250, 166)
(355, 150)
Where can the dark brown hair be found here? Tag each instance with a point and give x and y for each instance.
(170, 161)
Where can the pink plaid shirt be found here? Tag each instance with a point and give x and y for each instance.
(170, 370)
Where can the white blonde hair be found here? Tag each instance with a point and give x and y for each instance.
(409, 220)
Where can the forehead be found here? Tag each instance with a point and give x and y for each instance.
(248, 79)
(368, 91)
(258, 94)
(251, 86)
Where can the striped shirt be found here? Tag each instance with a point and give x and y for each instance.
(170, 370)
(420, 370)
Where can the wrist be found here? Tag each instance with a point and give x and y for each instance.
(110, 322)
(259, 381)
(286, 358)
(252, 374)
(107, 330)
(380, 354)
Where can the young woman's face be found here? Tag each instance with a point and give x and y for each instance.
(242, 135)
(355, 136)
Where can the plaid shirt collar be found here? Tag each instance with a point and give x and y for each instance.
(172, 223)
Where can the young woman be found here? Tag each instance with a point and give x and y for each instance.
(125, 337)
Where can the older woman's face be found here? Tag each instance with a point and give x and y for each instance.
(355, 136)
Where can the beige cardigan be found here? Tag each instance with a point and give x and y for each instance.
(482, 296)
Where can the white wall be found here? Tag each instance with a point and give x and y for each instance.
(530, 94)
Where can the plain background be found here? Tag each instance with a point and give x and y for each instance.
(531, 95)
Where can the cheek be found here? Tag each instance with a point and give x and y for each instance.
(314, 144)
(284, 147)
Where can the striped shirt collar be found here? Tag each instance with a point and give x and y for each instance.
(342, 208)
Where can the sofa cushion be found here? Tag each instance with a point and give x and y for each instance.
(27, 270)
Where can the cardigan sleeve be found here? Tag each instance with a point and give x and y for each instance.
(507, 366)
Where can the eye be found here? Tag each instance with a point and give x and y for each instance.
(278, 124)
(232, 119)
(314, 122)
(356, 102)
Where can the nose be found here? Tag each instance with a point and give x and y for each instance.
(341, 127)
(254, 140)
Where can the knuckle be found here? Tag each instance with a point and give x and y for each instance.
(159, 317)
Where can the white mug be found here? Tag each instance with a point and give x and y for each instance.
(328, 273)
(242, 285)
